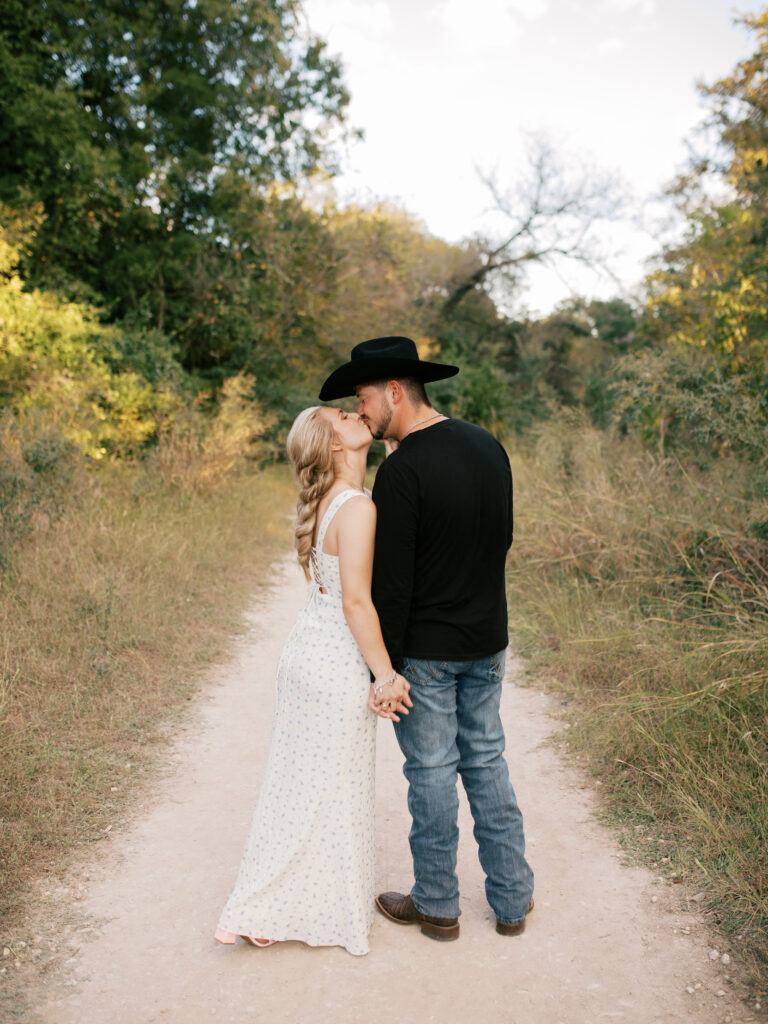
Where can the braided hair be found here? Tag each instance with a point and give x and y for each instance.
(309, 449)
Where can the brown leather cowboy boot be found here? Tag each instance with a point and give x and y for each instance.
(514, 929)
(401, 909)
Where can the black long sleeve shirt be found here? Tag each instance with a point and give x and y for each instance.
(444, 526)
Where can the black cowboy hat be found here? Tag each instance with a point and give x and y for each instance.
(382, 359)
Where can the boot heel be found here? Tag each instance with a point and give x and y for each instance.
(441, 932)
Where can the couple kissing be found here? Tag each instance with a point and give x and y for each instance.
(405, 620)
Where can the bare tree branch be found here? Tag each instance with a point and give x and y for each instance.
(552, 215)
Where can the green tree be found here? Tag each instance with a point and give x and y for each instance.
(128, 121)
(60, 366)
(567, 358)
(702, 380)
(257, 301)
(483, 342)
(711, 291)
(390, 275)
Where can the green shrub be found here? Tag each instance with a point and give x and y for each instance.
(681, 399)
(37, 464)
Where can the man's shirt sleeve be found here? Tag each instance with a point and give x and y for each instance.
(396, 495)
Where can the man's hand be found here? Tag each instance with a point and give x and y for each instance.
(393, 700)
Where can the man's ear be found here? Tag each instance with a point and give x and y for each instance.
(395, 389)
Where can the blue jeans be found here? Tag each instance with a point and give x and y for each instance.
(455, 727)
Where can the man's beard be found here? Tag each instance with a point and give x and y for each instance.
(379, 429)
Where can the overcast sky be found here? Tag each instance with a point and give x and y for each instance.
(444, 87)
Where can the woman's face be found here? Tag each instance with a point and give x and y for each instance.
(350, 430)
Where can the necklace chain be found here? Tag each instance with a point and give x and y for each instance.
(419, 423)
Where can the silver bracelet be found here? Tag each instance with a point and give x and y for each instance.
(378, 687)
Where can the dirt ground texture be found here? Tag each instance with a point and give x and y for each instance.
(127, 937)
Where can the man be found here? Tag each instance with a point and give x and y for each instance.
(444, 526)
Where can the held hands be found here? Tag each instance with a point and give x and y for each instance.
(392, 699)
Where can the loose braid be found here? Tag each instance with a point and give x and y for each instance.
(309, 449)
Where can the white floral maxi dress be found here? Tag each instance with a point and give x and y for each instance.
(308, 865)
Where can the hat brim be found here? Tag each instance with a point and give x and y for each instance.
(342, 382)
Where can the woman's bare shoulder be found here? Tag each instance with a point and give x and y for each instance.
(361, 505)
(358, 511)
(354, 521)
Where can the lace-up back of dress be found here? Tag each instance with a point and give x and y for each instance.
(325, 567)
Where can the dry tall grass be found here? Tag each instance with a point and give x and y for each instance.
(108, 613)
(641, 587)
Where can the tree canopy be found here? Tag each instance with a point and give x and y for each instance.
(711, 291)
(140, 128)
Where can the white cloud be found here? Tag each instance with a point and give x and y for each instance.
(646, 8)
(348, 24)
(491, 26)
(528, 8)
(610, 45)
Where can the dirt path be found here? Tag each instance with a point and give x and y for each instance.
(606, 941)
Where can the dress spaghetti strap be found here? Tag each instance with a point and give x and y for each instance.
(331, 511)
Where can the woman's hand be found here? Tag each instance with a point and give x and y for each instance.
(392, 700)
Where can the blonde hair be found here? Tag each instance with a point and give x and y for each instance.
(309, 449)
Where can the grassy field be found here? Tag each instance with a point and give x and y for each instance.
(639, 587)
(110, 610)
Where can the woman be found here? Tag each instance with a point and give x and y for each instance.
(307, 869)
